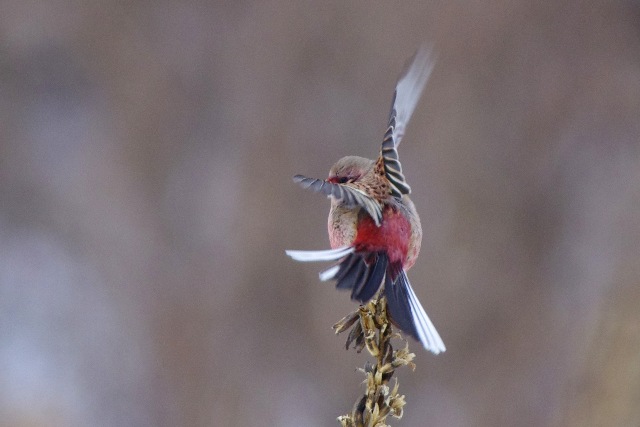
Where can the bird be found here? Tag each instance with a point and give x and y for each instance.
(374, 229)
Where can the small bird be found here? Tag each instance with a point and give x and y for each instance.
(374, 229)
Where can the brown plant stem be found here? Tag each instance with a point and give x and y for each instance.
(372, 329)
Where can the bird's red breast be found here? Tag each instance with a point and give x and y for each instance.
(392, 236)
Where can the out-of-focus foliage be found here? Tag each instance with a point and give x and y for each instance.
(146, 155)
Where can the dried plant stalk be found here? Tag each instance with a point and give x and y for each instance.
(371, 329)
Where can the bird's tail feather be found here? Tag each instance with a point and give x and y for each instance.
(407, 312)
(363, 274)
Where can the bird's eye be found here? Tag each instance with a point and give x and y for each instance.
(335, 179)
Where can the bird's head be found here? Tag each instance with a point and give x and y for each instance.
(349, 169)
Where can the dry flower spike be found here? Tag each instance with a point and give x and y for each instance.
(371, 329)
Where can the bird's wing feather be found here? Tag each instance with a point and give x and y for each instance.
(406, 96)
(360, 272)
(349, 195)
(363, 273)
(324, 255)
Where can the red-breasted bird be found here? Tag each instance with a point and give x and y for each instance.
(374, 229)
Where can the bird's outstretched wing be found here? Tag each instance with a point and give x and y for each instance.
(349, 195)
(406, 96)
(361, 273)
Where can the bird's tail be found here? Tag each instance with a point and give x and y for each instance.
(363, 274)
(407, 312)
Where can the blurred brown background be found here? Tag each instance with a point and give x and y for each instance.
(146, 155)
